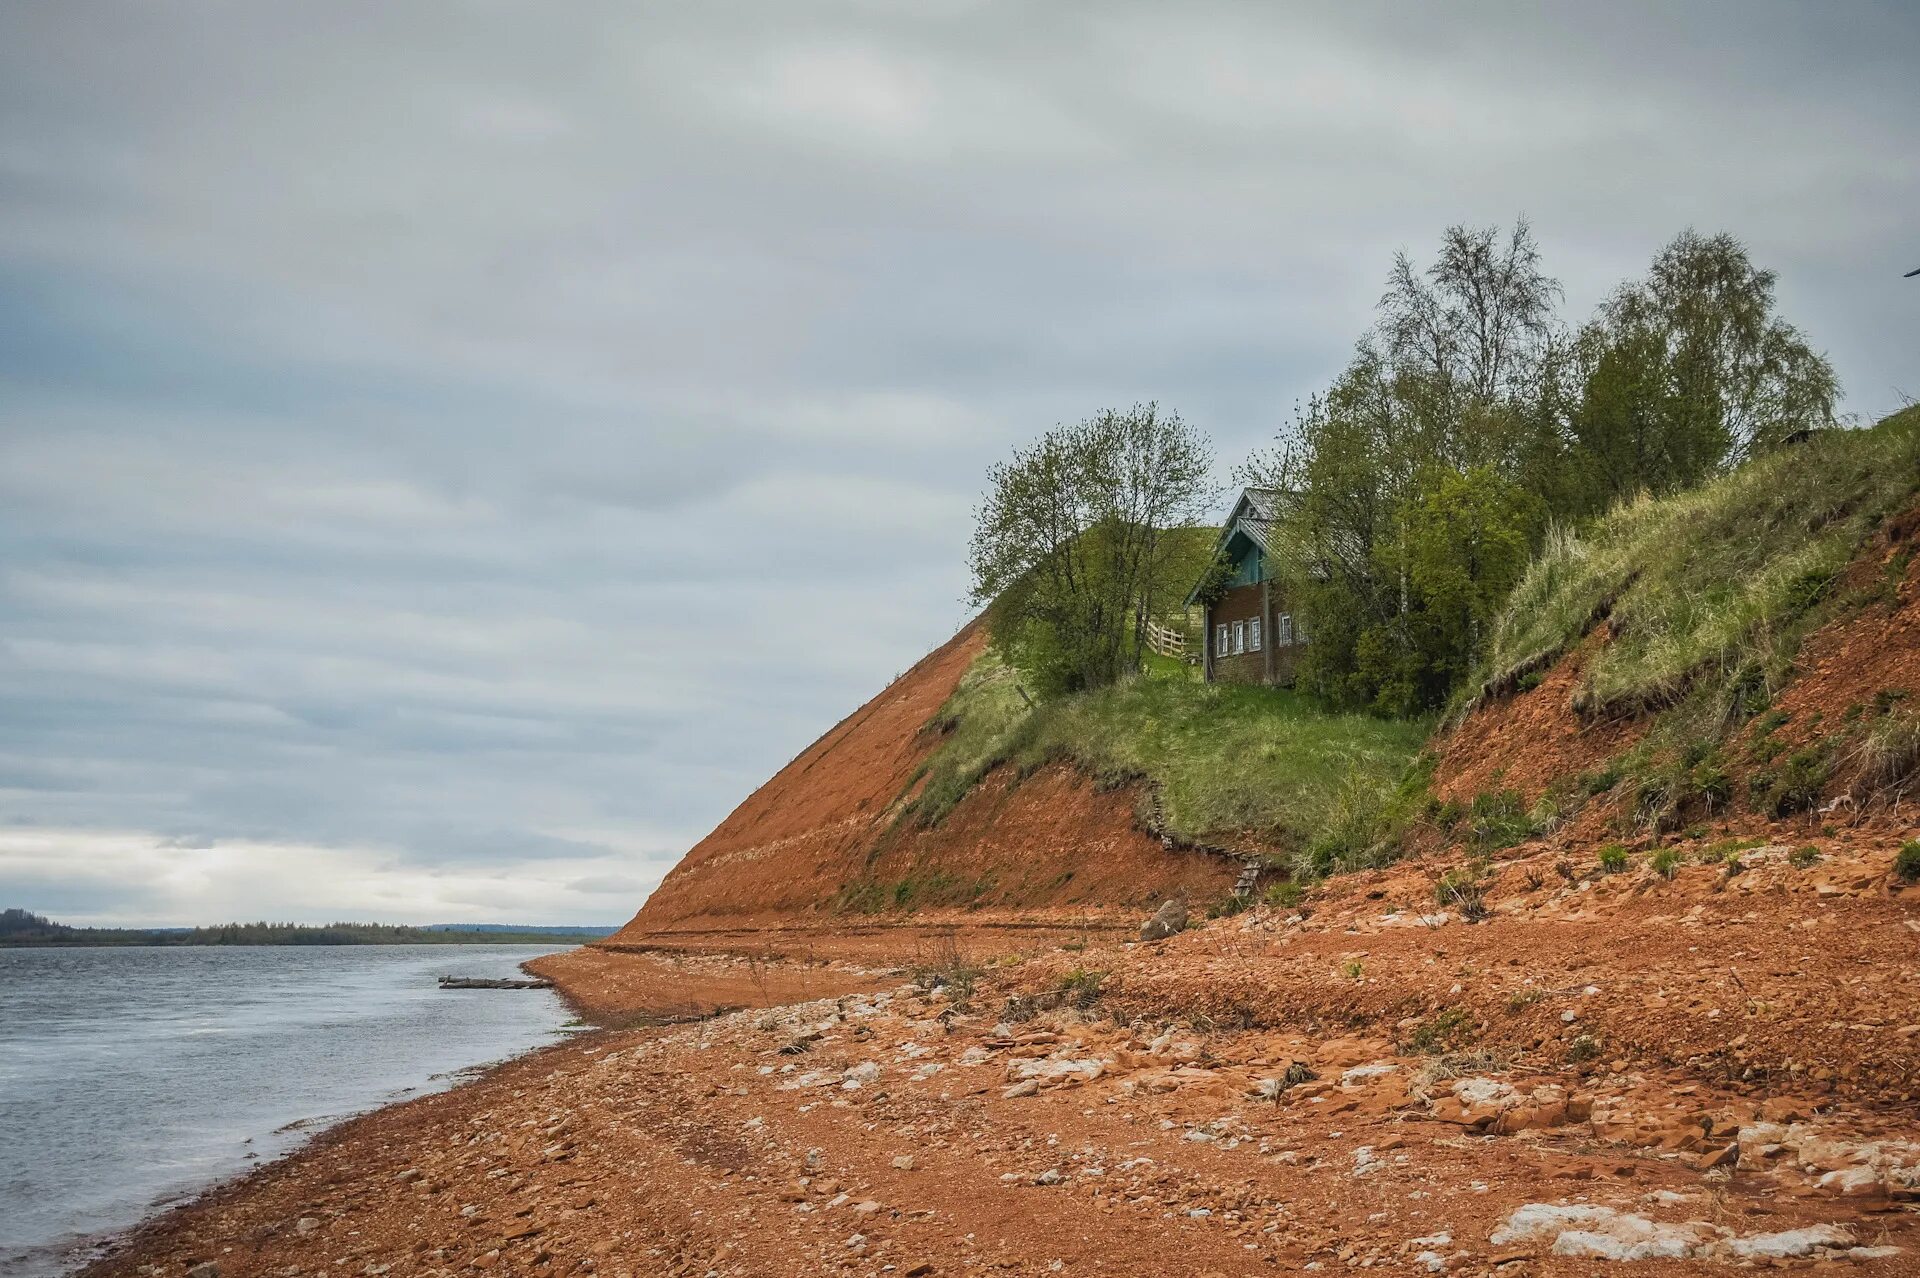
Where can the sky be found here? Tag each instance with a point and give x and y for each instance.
(451, 454)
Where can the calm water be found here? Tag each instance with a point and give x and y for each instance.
(133, 1077)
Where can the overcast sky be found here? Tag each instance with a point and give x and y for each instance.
(450, 454)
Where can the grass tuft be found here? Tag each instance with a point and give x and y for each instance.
(1697, 583)
(1906, 862)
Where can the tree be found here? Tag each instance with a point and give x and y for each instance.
(1688, 372)
(1413, 470)
(1071, 552)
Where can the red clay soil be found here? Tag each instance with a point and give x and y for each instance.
(1869, 655)
(1526, 740)
(792, 844)
(1715, 1070)
(815, 858)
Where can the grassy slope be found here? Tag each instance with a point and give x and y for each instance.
(1223, 765)
(1715, 582)
(1708, 595)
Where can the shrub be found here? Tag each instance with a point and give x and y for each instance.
(1442, 1032)
(1464, 890)
(1498, 819)
(1081, 988)
(1601, 779)
(1889, 753)
(1284, 894)
(1613, 859)
(1906, 863)
(1804, 857)
(1583, 1049)
(1228, 906)
(1666, 863)
(1797, 785)
(1353, 969)
(1716, 852)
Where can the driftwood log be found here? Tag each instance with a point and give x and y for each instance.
(491, 983)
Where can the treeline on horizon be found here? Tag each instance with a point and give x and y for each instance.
(1471, 422)
(22, 927)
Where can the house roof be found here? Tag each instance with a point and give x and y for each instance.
(1257, 514)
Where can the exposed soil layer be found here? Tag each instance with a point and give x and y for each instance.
(1866, 658)
(1714, 1070)
(818, 850)
(797, 839)
(1527, 740)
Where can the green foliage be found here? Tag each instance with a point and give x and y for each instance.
(1080, 988)
(1283, 895)
(1613, 858)
(1797, 784)
(1499, 819)
(1889, 753)
(1906, 862)
(1666, 862)
(1804, 857)
(1464, 889)
(1227, 759)
(1718, 851)
(1467, 426)
(1688, 371)
(1075, 545)
(1220, 760)
(1668, 792)
(1229, 905)
(1708, 585)
(981, 725)
(1601, 779)
(1445, 1031)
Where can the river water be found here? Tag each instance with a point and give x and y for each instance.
(130, 1078)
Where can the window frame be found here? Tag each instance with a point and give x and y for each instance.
(1221, 639)
(1253, 634)
(1239, 638)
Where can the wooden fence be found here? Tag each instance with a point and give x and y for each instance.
(1168, 642)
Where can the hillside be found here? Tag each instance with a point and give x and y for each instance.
(822, 848)
(1615, 977)
(1738, 656)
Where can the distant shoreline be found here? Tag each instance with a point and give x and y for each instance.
(20, 929)
(456, 939)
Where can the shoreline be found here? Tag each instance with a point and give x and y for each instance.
(1105, 1111)
(146, 1078)
(171, 1215)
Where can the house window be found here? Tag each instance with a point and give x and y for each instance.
(1283, 629)
(1220, 640)
(1253, 635)
(1239, 637)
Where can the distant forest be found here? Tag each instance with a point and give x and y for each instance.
(22, 927)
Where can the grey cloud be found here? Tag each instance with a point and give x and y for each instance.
(498, 440)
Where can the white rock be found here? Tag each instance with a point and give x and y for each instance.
(1789, 1243)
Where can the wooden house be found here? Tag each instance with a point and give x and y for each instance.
(1251, 634)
